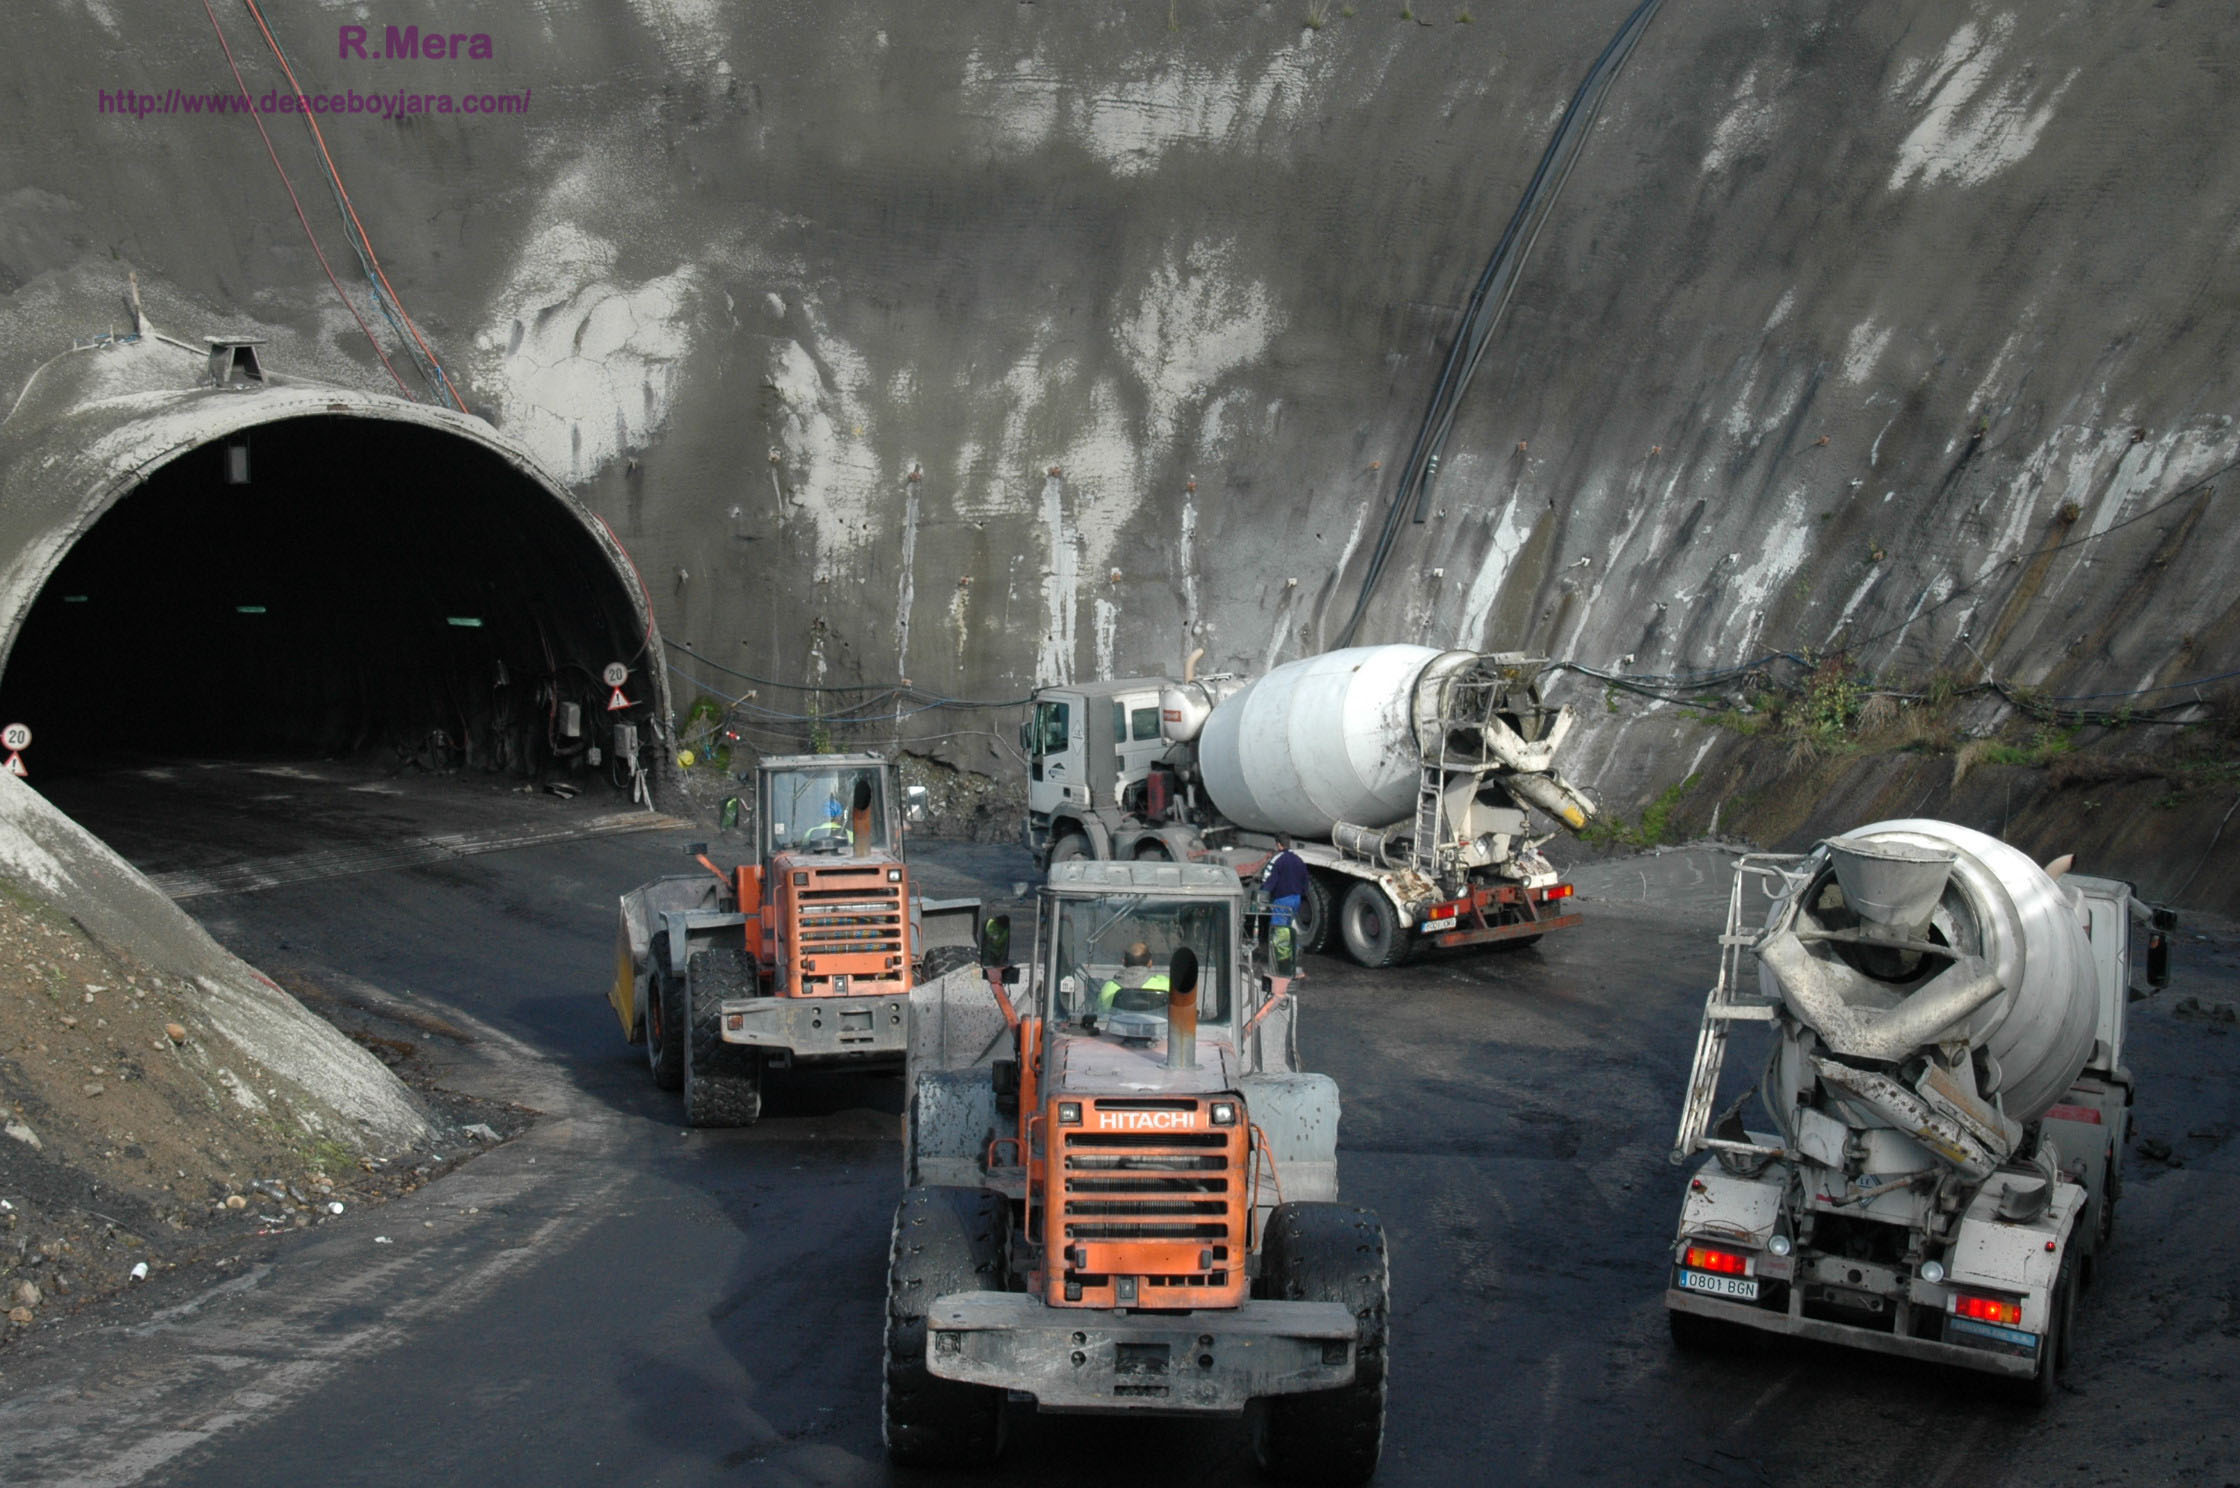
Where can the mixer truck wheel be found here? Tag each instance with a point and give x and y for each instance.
(1370, 924)
(722, 1082)
(1312, 923)
(664, 1003)
(1071, 846)
(945, 1240)
(2053, 1344)
(943, 959)
(1327, 1253)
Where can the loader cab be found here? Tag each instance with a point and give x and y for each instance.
(1109, 937)
(1085, 745)
(826, 805)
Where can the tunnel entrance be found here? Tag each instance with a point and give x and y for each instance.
(336, 585)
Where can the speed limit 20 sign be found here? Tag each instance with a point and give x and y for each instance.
(15, 736)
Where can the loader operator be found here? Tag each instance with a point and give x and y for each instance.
(1135, 975)
(831, 834)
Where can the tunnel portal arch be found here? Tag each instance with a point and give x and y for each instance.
(273, 568)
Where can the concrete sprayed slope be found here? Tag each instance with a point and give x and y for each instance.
(316, 1078)
(738, 273)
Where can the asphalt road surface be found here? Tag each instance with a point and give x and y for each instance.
(610, 1298)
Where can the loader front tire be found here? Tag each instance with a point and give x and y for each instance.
(945, 1240)
(722, 1082)
(664, 1019)
(1327, 1253)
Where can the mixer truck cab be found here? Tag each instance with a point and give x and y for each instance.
(1406, 776)
(1946, 1101)
(1121, 1189)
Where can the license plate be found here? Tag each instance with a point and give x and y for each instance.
(1741, 1288)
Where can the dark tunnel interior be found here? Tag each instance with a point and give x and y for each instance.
(373, 586)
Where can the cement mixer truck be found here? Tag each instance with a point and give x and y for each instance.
(1945, 1093)
(1403, 773)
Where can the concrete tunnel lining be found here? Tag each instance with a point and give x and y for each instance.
(100, 429)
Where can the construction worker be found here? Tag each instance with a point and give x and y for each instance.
(1285, 879)
(1135, 975)
(833, 829)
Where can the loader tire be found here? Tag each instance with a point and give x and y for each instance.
(1312, 923)
(1327, 1253)
(1370, 923)
(664, 1020)
(945, 1240)
(722, 1082)
(943, 959)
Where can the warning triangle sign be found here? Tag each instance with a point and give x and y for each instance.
(14, 765)
(618, 702)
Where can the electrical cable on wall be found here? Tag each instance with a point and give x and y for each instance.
(249, 107)
(350, 210)
(1496, 282)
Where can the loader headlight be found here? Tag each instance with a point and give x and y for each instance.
(894, 875)
(1224, 1113)
(1069, 1113)
(1781, 1245)
(1932, 1272)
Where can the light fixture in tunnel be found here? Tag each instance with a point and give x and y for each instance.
(248, 609)
(76, 598)
(464, 622)
(237, 462)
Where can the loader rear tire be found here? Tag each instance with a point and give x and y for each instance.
(1370, 923)
(722, 1082)
(1328, 1253)
(664, 1020)
(945, 1240)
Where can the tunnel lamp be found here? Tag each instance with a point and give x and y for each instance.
(248, 609)
(76, 598)
(237, 462)
(464, 622)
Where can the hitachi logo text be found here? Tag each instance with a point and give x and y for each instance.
(1146, 1120)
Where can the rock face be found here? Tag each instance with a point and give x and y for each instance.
(997, 344)
(318, 1080)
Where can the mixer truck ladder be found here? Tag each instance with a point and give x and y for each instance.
(1731, 1001)
(1430, 799)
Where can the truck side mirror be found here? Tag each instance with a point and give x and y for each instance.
(1182, 971)
(995, 941)
(2158, 959)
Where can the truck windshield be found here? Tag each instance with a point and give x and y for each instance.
(814, 810)
(1113, 952)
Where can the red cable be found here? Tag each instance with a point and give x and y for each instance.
(284, 181)
(305, 105)
(643, 592)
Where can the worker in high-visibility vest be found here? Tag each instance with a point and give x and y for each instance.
(1135, 975)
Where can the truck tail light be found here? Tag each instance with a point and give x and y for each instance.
(1725, 1262)
(1556, 891)
(1986, 1309)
